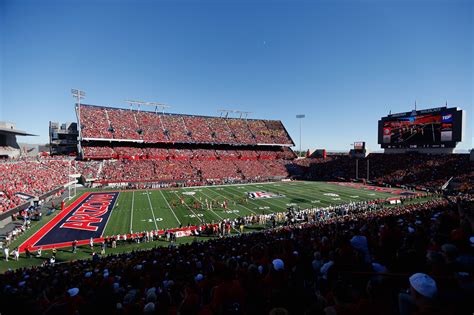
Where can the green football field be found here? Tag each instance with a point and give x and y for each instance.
(146, 210)
(143, 210)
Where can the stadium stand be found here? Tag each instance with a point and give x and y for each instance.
(430, 171)
(122, 124)
(346, 259)
(94, 123)
(199, 129)
(356, 260)
(151, 127)
(88, 169)
(33, 177)
(210, 148)
(167, 129)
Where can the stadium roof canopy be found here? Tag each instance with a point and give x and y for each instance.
(15, 132)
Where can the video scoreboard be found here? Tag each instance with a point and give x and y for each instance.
(429, 128)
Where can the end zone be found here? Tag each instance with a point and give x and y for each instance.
(84, 219)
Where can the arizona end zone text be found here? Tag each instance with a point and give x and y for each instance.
(90, 212)
(85, 218)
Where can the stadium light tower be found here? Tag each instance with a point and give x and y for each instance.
(78, 94)
(141, 103)
(133, 102)
(158, 105)
(225, 111)
(300, 117)
(242, 113)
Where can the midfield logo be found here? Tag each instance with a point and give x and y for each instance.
(262, 195)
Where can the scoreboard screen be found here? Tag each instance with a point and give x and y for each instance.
(359, 145)
(429, 128)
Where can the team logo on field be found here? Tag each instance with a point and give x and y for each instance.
(86, 218)
(90, 215)
(262, 195)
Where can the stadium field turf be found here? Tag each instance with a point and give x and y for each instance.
(146, 210)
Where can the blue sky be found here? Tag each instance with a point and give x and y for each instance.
(342, 63)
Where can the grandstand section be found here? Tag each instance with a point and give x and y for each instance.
(150, 147)
(30, 179)
(157, 180)
(106, 123)
(414, 170)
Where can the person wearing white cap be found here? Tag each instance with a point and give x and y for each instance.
(422, 294)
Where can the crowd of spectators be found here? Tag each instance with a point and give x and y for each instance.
(175, 129)
(363, 259)
(182, 167)
(88, 169)
(241, 131)
(145, 170)
(123, 151)
(137, 163)
(24, 179)
(425, 170)
(37, 176)
(123, 124)
(116, 123)
(199, 129)
(151, 127)
(94, 123)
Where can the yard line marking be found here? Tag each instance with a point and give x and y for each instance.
(179, 222)
(237, 196)
(131, 214)
(295, 191)
(152, 212)
(115, 205)
(213, 210)
(190, 209)
(209, 209)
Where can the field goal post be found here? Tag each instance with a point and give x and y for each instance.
(72, 185)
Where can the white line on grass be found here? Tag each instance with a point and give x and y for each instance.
(131, 214)
(295, 191)
(195, 214)
(105, 227)
(213, 210)
(179, 222)
(151, 208)
(209, 209)
(234, 195)
(268, 202)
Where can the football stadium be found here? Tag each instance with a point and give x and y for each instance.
(140, 207)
